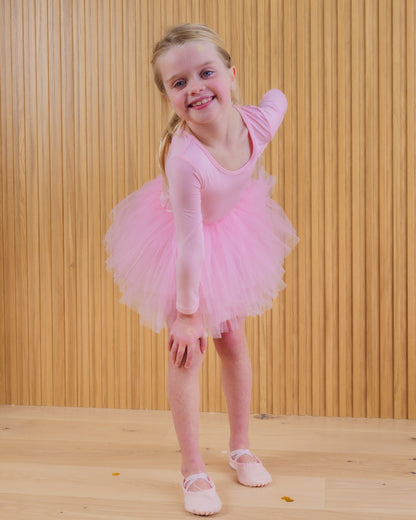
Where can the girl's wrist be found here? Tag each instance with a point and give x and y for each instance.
(183, 316)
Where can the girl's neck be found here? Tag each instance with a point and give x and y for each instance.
(219, 132)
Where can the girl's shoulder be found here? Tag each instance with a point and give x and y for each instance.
(274, 98)
(263, 120)
(184, 155)
(183, 146)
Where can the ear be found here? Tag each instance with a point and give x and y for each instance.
(233, 72)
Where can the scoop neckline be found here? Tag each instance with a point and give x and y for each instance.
(212, 158)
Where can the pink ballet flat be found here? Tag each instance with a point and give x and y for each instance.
(252, 474)
(204, 502)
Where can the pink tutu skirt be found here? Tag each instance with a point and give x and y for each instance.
(243, 267)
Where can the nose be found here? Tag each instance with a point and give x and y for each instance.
(196, 86)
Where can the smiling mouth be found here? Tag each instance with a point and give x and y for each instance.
(202, 102)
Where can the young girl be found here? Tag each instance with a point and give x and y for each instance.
(202, 246)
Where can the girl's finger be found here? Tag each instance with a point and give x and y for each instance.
(174, 351)
(203, 341)
(179, 355)
(189, 356)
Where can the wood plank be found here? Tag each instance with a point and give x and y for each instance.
(290, 207)
(399, 212)
(372, 213)
(119, 191)
(47, 507)
(20, 203)
(411, 209)
(81, 206)
(69, 203)
(4, 50)
(143, 81)
(279, 307)
(56, 189)
(95, 233)
(106, 195)
(32, 180)
(131, 158)
(264, 347)
(358, 212)
(379, 495)
(331, 216)
(317, 213)
(45, 230)
(281, 432)
(130, 455)
(33, 245)
(304, 209)
(345, 209)
(19, 174)
(386, 216)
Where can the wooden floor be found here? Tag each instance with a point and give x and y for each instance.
(87, 464)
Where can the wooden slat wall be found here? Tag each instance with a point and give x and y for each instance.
(80, 124)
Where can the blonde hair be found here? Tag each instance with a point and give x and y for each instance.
(175, 37)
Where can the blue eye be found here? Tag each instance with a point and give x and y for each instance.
(207, 73)
(179, 84)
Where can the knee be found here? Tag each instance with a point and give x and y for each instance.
(232, 345)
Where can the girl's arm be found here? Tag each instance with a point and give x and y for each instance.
(187, 332)
(185, 198)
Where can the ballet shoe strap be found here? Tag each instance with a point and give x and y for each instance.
(191, 479)
(236, 454)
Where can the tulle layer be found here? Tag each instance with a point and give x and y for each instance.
(242, 271)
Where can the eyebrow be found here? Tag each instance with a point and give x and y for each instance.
(179, 74)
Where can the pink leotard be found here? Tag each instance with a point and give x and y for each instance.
(202, 192)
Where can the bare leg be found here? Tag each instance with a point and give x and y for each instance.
(236, 380)
(183, 395)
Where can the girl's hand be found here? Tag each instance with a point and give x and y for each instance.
(186, 334)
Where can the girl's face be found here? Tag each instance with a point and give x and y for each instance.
(197, 82)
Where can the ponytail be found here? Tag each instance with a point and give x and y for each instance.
(174, 124)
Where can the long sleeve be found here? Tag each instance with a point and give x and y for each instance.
(265, 119)
(185, 198)
(273, 106)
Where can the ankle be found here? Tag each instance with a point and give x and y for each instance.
(239, 444)
(192, 467)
